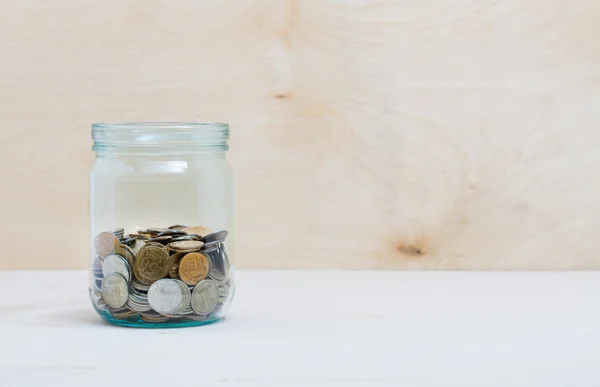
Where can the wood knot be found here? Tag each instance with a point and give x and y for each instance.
(411, 250)
(282, 95)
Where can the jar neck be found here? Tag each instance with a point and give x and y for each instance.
(160, 139)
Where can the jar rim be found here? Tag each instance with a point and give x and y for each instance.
(158, 125)
(166, 134)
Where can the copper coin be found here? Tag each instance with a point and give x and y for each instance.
(105, 243)
(200, 230)
(175, 258)
(186, 246)
(151, 264)
(193, 268)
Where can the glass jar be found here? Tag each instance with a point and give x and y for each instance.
(161, 223)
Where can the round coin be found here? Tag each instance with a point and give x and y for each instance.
(153, 317)
(169, 296)
(105, 243)
(116, 264)
(174, 272)
(193, 268)
(161, 239)
(215, 236)
(201, 230)
(152, 263)
(139, 236)
(124, 251)
(205, 297)
(137, 285)
(130, 251)
(156, 230)
(219, 267)
(156, 244)
(118, 232)
(124, 314)
(177, 227)
(192, 237)
(186, 246)
(172, 233)
(114, 290)
(128, 240)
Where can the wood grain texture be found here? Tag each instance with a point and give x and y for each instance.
(365, 134)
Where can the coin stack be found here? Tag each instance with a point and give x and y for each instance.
(162, 274)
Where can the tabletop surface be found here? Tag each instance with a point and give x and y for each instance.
(320, 328)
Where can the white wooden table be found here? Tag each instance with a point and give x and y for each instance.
(317, 329)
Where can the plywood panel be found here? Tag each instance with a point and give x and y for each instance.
(365, 134)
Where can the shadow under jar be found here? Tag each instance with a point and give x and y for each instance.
(161, 223)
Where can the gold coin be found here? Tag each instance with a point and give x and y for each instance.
(151, 263)
(174, 272)
(200, 230)
(193, 268)
(186, 246)
(105, 244)
(156, 244)
(175, 258)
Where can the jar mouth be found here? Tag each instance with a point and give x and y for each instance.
(213, 135)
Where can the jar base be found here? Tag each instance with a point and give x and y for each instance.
(136, 322)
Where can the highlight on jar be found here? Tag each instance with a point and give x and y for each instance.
(157, 275)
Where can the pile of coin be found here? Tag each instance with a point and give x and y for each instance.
(159, 274)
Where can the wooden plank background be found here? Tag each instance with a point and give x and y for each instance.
(384, 134)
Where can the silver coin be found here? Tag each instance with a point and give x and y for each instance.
(97, 299)
(220, 264)
(173, 233)
(138, 299)
(114, 290)
(187, 310)
(97, 284)
(137, 306)
(97, 268)
(211, 246)
(205, 296)
(169, 296)
(186, 238)
(135, 284)
(116, 264)
(215, 236)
